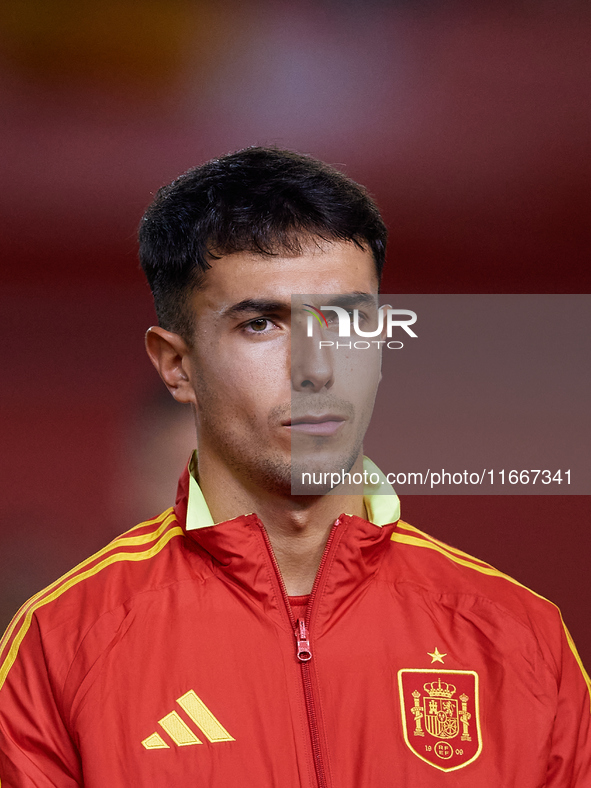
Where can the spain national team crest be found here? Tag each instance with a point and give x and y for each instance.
(440, 716)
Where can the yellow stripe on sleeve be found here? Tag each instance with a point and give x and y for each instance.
(448, 547)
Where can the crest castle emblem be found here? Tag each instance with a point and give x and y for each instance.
(440, 716)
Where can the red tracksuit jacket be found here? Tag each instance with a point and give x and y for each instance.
(170, 658)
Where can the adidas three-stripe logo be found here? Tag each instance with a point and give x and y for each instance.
(178, 730)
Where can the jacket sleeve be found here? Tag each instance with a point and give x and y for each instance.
(36, 749)
(569, 765)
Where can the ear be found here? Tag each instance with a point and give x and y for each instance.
(170, 355)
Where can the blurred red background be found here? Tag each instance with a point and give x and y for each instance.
(470, 125)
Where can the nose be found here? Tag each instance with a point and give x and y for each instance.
(312, 367)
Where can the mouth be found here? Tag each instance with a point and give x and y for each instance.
(324, 425)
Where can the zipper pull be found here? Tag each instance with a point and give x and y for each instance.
(303, 653)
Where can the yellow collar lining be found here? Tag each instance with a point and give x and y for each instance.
(381, 502)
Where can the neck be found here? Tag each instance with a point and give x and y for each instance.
(298, 526)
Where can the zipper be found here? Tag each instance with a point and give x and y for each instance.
(304, 652)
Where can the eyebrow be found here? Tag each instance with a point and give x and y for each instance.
(260, 305)
(269, 306)
(354, 299)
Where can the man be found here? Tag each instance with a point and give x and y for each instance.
(260, 635)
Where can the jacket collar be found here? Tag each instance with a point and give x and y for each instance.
(381, 502)
(238, 551)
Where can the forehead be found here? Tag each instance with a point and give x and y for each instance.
(323, 267)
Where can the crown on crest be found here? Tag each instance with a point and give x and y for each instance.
(439, 689)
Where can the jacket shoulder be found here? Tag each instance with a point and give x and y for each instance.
(444, 569)
(136, 561)
(449, 573)
(459, 579)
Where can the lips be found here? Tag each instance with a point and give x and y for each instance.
(323, 425)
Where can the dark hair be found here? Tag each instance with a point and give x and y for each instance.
(262, 200)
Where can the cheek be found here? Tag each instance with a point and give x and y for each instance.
(358, 372)
(263, 361)
(249, 384)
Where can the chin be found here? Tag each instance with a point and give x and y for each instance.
(318, 469)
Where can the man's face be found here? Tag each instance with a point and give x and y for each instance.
(249, 374)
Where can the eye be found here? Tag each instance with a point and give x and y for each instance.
(332, 317)
(336, 320)
(261, 325)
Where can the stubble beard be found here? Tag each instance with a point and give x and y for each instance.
(279, 475)
(343, 463)
(251, 460)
